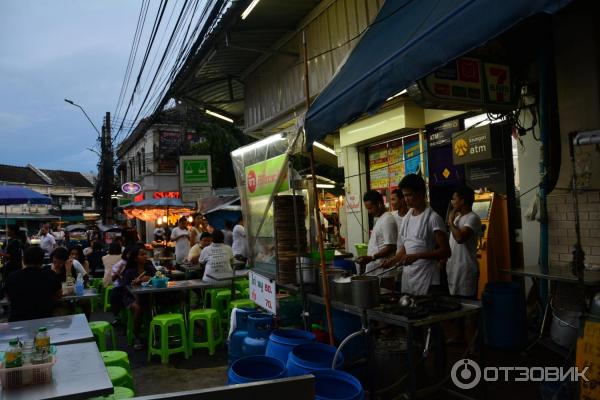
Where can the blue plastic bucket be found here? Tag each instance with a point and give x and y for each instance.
(337, 385)
(254, 369)
(306, 358)
(504, 315)
(241, 331)
(260, 325)
(282, 341)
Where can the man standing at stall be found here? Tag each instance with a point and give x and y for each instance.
(465, 226)
(382, 243)
(181, 236)
(422, 240)
(398, 206)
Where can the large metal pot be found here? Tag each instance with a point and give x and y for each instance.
(309, 272)
(342, 290)
(365, 291)
(332, 273)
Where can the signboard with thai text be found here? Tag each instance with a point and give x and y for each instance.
(262, 292)
(195, 171)
(262, 177)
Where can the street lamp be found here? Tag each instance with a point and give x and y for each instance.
(71, 102)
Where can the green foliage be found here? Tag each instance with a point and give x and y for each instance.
(220, 140)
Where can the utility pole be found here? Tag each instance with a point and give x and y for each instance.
(108, 172)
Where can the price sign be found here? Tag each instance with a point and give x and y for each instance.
(262, 292)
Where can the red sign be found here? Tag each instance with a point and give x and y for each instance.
(162, 195)
(251, 181)
(139, 197)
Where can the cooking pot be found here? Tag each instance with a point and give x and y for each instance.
(365, 291)
(309, 272)
(332, 273)
(342, 289)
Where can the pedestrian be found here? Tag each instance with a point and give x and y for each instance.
(47, 242)
(181, 236)
(32, 290)
(13, 254)
(465, 228)
(422, 240)
(196, 229)
(240, 242)
(382, 243)
(110, 259)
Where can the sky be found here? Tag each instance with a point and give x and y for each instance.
(56, 49)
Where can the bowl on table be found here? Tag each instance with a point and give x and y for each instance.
(159, 282)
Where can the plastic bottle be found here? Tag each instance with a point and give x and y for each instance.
(79, 285)
(42, 340)
(12, 356)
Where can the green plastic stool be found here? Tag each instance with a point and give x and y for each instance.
(99, 330)
(116, 358)
(246, 292)
(120, 377)
(119, 394)
(163, 322)
(213, 330)
(210, 294)
(107, 291)
(242, 284)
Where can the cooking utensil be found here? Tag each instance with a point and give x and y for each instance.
(342, 289)
(365, 291)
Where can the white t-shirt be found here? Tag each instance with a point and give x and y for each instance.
(417, 235)
(218, 258)
(385, 232)
(240, 242)
(462, 266)
(182, 245)
(197, 237)
(47, 243)
(397, 218)
(78, 269)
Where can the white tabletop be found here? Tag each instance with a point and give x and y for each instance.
(62, 330)
(176, 286)
(87, 294)
(79, 373)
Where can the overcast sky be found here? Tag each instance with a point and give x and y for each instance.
(56, 49)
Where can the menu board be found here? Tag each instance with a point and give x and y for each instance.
(389, 162)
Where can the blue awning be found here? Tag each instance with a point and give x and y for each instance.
(408, 40)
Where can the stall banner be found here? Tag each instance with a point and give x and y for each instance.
(352, 203)
(262, 177)
(263, 292)
(378, 167)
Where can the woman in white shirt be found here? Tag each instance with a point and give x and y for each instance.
(66, 266)
(217, 258)
(113, 257)
(240, 241)
(181, 236)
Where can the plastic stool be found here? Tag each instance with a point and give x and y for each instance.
(99, 330)
(212, 328)
(107, 291)
(246, 292)
(242, 284)
(119, 393)
(163, 322)
(116, 358)
(212, 295)
(120, 377)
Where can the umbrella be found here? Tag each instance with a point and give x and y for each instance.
(10, 195)
(152, 209)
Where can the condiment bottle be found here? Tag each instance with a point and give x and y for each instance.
(12, 356)
(42, 340)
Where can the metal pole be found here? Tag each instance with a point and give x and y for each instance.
(326, 297)
(298, 256)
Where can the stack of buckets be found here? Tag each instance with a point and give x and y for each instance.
(293, 352)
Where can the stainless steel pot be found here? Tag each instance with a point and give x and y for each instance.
(332, 273)
(365, 291)
(309, 272)
(342, 290)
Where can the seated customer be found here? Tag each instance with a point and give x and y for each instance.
(32, 290)
(194, 254)
(217, 257)
(139, 269)
(65, 266)
(110, 259)
(95, 259)
(77, 255)
(115, 278)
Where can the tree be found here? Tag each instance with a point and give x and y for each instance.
(220, 141)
